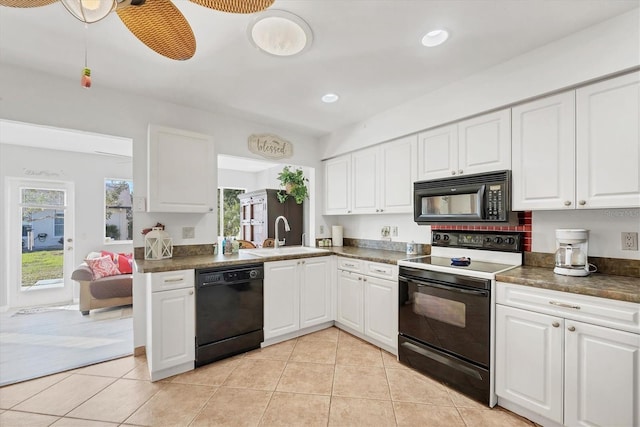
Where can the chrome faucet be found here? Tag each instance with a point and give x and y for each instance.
(286, 228)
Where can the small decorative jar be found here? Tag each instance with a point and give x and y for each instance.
(157, 244)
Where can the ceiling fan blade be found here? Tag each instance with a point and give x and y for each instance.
(161, 26)
(26, 3)
(235, 6)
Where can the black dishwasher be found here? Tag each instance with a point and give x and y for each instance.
(229, 311)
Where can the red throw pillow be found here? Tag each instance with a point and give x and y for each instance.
(123, 261)
(102, 267)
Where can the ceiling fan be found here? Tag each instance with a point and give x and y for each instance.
(156, 23)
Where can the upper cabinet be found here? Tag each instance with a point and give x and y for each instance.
(373, 180)
(181, 171)
(579, 149)
(480, 144)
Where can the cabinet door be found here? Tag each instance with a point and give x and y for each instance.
(182, 171)
(529, 349)
(438, 153)
(381, 310)
(484, 143)
(608, 143)
(602, 368)
(315, 291)
(172, 329)
(543, 146)
(364, 176)
(337, 178)
(281, 298)
(350, 300)
(399, 171)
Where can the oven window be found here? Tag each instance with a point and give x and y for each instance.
(457, 204)
(444, 310)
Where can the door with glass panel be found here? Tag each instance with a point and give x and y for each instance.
(41, 219)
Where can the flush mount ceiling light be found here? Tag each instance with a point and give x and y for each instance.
(280, 33)
(89, 11)
(435, 38)
(330, 98)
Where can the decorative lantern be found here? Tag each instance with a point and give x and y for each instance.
(157, 244)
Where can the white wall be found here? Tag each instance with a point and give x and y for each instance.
(237, 179)
(87, 172)
(368, 227)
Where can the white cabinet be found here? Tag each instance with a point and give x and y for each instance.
(565, 358)
(170, 323)
(337, 188)
(480, 144)
(543, 148)
(373, 180)
(368, 301)
(608, 143)
(297, 294)
(181, 171)
(579, 149)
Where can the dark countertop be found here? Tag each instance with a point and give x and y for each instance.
(621, 288)
(244, 257)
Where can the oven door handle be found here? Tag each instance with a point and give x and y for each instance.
(447, 288)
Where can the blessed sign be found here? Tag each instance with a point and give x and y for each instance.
(270, 146)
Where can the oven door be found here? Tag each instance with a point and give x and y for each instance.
(455, 319)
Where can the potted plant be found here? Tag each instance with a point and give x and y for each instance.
(294, 184)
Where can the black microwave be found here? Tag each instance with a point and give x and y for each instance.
(484, 197)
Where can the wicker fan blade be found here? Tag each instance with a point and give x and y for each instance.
(235, 6)
(26, 3)
(161, 26)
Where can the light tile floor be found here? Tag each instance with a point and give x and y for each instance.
(328, 378)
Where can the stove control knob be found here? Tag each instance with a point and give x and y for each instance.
(436, 237)
(445, 237)
(498, 240)
(510, 240)
(488, 240)
(253, 274)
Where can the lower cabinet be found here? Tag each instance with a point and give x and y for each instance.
(367, 304)
(171, 323)
(297, 294)
(567, 371)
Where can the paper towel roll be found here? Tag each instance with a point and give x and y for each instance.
(336, 235)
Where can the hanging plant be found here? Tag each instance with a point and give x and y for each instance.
(294, 184)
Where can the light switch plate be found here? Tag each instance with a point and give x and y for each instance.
(139, 204)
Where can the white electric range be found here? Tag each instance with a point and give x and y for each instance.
(447, 308)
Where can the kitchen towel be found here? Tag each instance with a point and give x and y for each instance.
(336, 235)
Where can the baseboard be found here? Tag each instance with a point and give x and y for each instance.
(296, 334)
(527, 413)
(368, 339)
(140, 351)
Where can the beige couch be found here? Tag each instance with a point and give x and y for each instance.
(109, 291)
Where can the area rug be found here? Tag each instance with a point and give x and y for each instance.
(41, 341)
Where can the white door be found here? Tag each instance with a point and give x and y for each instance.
(364, 169)
(438, 152)
(350, 300)
(381, 310)
(41, 250)
(602, 368)
(529, 349)
(315, 291)
(337, 188)
(608, 143)
(544, 153)
(281, 298)
(484, 143)
(399, 171)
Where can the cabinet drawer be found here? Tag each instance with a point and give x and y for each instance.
(168, 280)
(383, 271)
(349, 264)
(621, 315)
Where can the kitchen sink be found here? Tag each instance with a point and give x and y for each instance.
(284, 250)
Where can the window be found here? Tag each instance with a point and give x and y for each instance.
(118, 201)
(229, 212)
(58, 224)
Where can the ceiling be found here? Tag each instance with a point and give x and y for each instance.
(367, 51)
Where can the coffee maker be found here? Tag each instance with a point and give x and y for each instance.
(571, 254)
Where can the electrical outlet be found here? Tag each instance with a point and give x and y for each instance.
(629, 241)
(322, 229)
(394, 231)
(188, 232)
(385, 231)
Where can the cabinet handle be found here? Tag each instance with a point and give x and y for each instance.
(565, 305)
(190, 292)
(348, 211)
(567, 203)
(174, 280)
(555, 324)
(582, 202)
(453, 172)
(381, 210)
(303, 262)
(349, 265)
(460, 172)
(377, 210)
(379, 270)
(359, 278)
(364, 279)
(571, 328)
(298, 263)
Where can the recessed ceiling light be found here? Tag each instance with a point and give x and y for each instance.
(435, 38)
(330, 98)
(280, 33)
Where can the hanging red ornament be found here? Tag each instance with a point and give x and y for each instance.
(86, 78)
